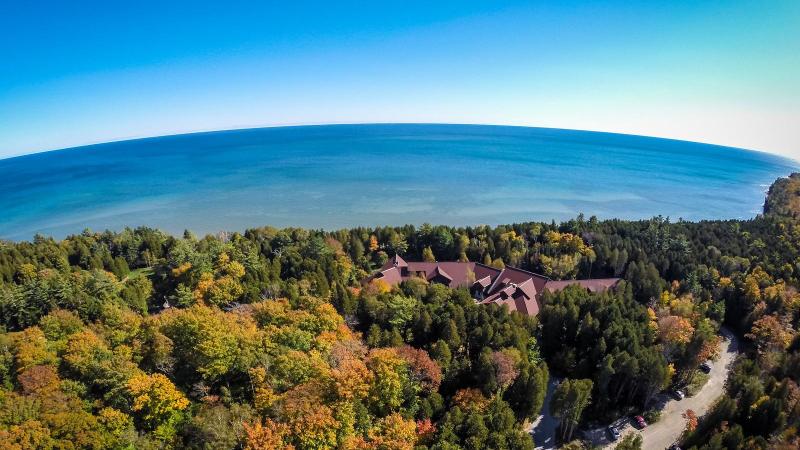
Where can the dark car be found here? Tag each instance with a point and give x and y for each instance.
(613, 433)
(640, 422)
(705, 367)
(678, 394)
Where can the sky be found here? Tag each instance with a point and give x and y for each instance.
(722, 72)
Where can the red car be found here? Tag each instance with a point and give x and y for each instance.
(640, 422)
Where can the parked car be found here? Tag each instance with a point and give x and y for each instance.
(613, 432)
(705, 367)
(678, 394)
(640, 422)
(674, 447)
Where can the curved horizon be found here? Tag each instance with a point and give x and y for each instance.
(300, 125)
(345, 175)
(94, 72)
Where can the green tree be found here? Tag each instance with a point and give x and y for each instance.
(631, 441)
(569, 400)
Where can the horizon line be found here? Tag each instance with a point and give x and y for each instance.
(322, 124)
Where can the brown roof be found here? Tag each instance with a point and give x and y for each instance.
(520, 303)
(457, 272)
(518, 276)
(518, 289)
(441, 272)
(484, 282)
(592, 285)
(397, 261)
(390, 276)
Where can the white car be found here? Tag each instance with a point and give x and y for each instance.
(678, 394)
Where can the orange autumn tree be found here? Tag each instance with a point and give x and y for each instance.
(770, 334)
(691, 420)
(316, 375)
(268, 435)
(470, 398)
(674, 331)
(312, 423)
(424, 370)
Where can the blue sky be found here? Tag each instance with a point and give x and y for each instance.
(723, 72)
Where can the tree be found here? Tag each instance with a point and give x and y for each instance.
(267, 436)
(423, 369)
(526, 394)
(210, 342)
(159, 403)
(218, 426)
(631, 441)
(691, 420)
(674, 331)
(387, 388)
(222, 286)
(770, 334)
(427, 255)
(569, 400)
(505, 367)
(392, 432)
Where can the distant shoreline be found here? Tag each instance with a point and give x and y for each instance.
(335, 177)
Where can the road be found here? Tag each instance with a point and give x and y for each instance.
(543, 429)
(666, 431)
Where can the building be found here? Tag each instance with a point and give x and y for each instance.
(518, 289)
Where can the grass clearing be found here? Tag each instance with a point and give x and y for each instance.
(136, 273)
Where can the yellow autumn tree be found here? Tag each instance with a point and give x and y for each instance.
(263, 394)
(158, 402)
(392, 432)
(224, 285)
(30, 349)
(209, 340)
(561, 254)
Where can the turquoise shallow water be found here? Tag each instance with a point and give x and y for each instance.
(345, 175)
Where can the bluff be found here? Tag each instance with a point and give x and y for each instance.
(783, 197)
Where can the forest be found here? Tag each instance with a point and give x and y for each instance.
(267, 339)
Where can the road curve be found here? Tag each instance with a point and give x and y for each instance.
(666, 431)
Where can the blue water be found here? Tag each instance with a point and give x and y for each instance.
(346, 175)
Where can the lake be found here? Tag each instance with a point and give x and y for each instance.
(348, 175)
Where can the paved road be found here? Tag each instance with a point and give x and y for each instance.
(544, 427)
(666, 431)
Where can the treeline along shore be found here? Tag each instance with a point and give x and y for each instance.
(270, 339)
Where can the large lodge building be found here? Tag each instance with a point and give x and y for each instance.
(519, 289)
